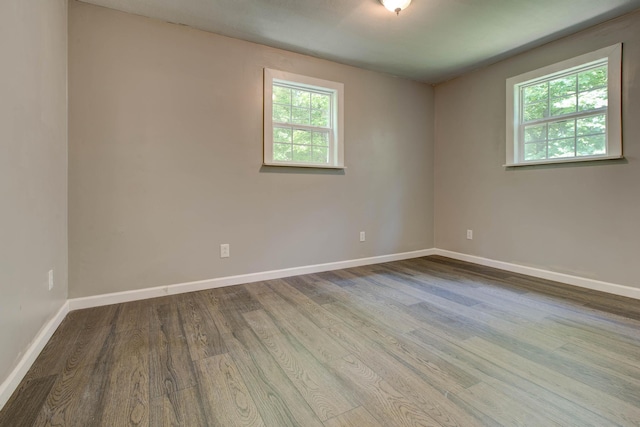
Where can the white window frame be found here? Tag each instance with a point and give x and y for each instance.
(336, 129)
(613, 57)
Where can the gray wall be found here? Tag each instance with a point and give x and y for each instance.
(33, 170)
(580, 219)
(165, 160)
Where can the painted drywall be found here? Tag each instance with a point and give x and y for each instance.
(33, 171)
(166, 151)
(579, 219)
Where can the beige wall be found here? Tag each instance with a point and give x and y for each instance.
(33, 170)
(165, 160)
(581, 219)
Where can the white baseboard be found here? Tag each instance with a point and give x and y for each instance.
(13, 380)
(160, 291)
(126, 296)
(596, 285)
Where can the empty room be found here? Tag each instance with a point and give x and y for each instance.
(320, 213)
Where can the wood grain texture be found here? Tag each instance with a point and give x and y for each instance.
(358, 417)
(277, 399)
(178, 408)
(233, 302)
(386, 403)
(171, 367)
(126, 392)
(556, 406)
(407, 380)
(72, 395)
(55, 353)
(294, 323)
(322, 391)
(227, 399)
(423, 342)
(203, 335)
(133, 315)
(32, 393)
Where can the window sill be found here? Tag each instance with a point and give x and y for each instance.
(304, 165)
(569, 160)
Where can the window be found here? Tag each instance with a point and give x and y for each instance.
(303, 121)
(566, 112)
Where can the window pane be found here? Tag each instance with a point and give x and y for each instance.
(563, 87)
(562, 148)
(281, 114)
(591, 145)
(320, 102)
(535, 93)
(320, 155)
(563, 105)
(591, 125)
(281, 95)
(282, 152)
(302, 137)
(592, 78)
(282, 135)
(563, 129)
(592, 99)
(535, 133)
(301, 98)
(303, 121)
(320, 118)
(300, 116)
(562, 112)
(535, 151)
(535, 111)
(321, 138)
(301, 153)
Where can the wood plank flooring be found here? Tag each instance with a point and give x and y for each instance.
(424, 342)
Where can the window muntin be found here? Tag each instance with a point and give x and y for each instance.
(565, 116)
(302, 121)
(568, 111)
(301, 124)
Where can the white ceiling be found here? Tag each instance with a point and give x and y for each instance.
(431, 41)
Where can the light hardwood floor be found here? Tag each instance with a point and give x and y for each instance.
(424, 342)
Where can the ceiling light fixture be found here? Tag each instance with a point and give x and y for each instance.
(396, 5)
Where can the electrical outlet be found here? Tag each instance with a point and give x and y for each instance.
(363, 236)
(225, 251)
(469, 234)
(50, 279)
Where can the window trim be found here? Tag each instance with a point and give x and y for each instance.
(336, 133)
(613, 55)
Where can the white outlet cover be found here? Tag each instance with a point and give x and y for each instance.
(225, 250)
